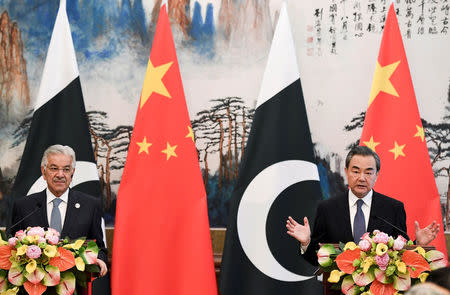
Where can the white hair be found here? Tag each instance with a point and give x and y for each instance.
(59, 150)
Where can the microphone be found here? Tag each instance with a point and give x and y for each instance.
(387, 222)
(38, 206)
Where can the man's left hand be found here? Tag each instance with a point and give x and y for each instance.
(426, 235)
(103, 267)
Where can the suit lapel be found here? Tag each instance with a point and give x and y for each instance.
(70, 214)
(375, 210)
(346, 225)
(42, 199)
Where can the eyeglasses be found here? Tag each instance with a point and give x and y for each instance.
(65, 170)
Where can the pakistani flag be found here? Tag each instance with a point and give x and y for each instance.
(278, 178)
(59, 117)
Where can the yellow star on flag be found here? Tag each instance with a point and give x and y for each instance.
(397, 150)
(381, 80)
(190, 133)
(153, 81)
(420, 133)
(143, 145)
(371, 144)
(170, 151)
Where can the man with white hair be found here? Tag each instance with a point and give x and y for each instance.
(74, 214)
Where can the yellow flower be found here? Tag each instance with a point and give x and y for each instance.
(401, 266)
(3, 243)
(335, 276)
(32, 239)
(12, 291)
(351, 246)
(79, 263)
(22, 250)
(77, 244)
(420, 250)
(381, 249)
(423, 277)
(50, 250)
(31, 266)
(367, 263)
(366, 293)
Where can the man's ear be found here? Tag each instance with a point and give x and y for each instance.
(43, 172)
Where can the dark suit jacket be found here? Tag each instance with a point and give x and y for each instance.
(332, 223)
(84, 221)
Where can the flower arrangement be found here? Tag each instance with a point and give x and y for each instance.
(379, 264)
(36, 260)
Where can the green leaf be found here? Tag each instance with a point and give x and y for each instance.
(3, 235)
(390, 270)
(92, 246)
(92, 268)
(81, 278)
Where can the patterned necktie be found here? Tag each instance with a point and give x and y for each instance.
(359, 224)
(55, 218)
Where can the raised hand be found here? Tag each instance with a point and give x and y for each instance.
(426, 235)
(302, 233)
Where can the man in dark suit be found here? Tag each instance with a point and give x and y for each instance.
(348, 216)
(73, 214)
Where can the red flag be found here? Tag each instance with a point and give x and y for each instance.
(162, 242)
(394, 130)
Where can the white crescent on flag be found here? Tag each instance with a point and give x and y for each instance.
(255, 204)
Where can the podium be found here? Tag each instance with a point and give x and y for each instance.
(327, 285)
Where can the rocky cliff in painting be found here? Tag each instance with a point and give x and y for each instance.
(178, 13)
(14, 92)
(246, 23)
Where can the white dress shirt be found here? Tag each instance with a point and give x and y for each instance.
(365, 207)
(62, 206)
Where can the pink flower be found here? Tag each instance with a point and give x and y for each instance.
(51, 232)
(20, 235)
(12, 241)
(41, 240)
(53, 240)
(36, 231)
(382, 261)
(381, 237)
(399, 243)
(33, 252)
(366, 236)
(365, 245)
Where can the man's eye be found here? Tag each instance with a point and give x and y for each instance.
(53, 169)
(66, 170)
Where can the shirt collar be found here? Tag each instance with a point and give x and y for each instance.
(50, 196)
(352, 198)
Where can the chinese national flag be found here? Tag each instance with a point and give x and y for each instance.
(162, 242)
(393, 129)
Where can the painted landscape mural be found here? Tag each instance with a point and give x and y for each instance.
(222, 47)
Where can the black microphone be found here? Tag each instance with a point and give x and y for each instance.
(38, 206)
(387, 222)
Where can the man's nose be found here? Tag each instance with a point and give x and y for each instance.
(361, 177)
(60, 173)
